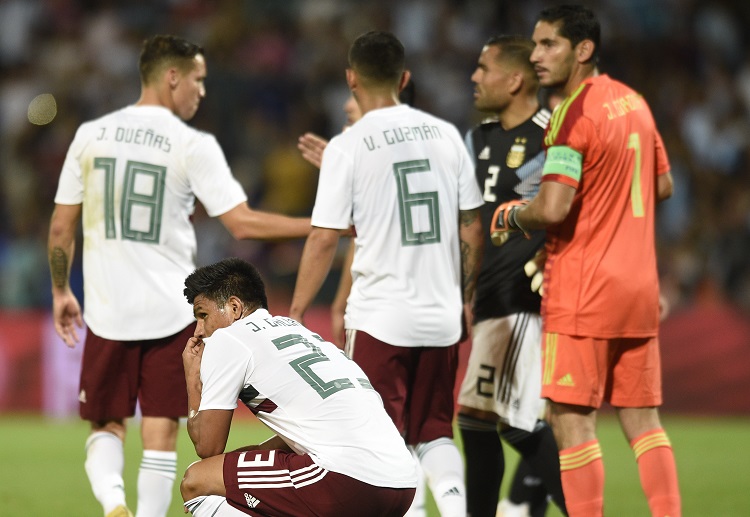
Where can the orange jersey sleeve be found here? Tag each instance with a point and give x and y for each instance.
(601, 277)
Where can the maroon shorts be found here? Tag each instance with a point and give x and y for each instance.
(281, 483)
(115, 374)
(415, 383)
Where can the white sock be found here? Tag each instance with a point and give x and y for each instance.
(444, 470)
(417, 508)
(155, 482)
(104, 463)
(212, 506)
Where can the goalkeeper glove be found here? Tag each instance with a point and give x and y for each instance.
(504, 221)
(534, 269)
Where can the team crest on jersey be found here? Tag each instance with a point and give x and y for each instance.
(485, 154)
(517, 153)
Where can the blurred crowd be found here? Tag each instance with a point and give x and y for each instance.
(276, 70)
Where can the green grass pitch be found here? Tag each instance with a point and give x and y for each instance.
(41, 466)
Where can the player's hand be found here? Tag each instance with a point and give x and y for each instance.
(534, 269)
(66, 313)
(311, 147)
(502, 221)
(192, 355)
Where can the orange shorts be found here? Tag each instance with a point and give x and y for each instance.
(626, 372)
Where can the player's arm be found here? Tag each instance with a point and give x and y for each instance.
(664, 186)
(317, 257)
(472, 245)
(61, 243)
(550, 206)
(338, 306)
(245, 223)
(208, 429)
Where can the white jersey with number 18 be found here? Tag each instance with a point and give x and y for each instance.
(137, 172)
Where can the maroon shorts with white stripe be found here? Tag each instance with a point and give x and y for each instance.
(280, 483)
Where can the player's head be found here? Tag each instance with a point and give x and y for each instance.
(503, 72)
(376, 63)
(179, 67)
(224, 292)
(566, 37)
(353, 113)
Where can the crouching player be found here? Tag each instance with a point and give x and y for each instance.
(335, 453)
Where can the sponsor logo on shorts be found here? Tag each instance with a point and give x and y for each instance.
(566, 380)
(252, 502)
(82, 396)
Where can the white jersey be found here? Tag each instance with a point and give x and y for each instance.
(307, 391)
(400, 176)
(137, 172)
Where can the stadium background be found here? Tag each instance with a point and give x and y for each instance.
(276, 70)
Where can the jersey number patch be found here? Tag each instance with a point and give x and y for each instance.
(419, 212)
(141, 203)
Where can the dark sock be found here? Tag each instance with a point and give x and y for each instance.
(528, 488)
(539, 449)
(485, 463)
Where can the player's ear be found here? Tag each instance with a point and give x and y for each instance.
(515, 82)
(405, 77)
(236, 307)
(584, 50)
(173, 77)
(351, 79)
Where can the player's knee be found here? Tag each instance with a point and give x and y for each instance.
(190, 486)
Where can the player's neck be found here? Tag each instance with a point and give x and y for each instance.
(371, 102)
(151, 96)
(580, 74)
(518, 112)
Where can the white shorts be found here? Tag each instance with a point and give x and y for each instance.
(504, 374)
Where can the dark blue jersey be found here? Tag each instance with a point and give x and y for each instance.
(508, 166)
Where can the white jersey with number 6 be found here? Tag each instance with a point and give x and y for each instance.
(314, 397)
(137, 172)
(400, 176)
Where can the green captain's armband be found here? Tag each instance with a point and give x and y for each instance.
(563, 161)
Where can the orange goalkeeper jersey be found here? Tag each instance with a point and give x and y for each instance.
(600, 277)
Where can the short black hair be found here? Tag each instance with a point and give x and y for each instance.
(378, 57)
(163, 50)
(577, 23)
(229, 277)
(514, 48)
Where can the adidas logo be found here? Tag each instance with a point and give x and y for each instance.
(82, 396)
(566, 380)
(252, 502)
(453, 491)
(485, 154)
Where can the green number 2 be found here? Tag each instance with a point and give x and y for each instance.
(411, 204)
(142, 194)
(303, 366)
(636, 195)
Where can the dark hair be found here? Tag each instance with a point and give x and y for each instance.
(577, 23)
(515, 49)
(229, 277)
(166, 50)
(378, 57)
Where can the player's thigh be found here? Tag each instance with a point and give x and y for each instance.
(163, 392)
(574, 369)
(389, 369)
(431, 403)
(635, 365)
(110, 372)
(503, 375)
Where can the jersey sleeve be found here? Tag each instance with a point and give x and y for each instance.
(662, 161)
(70, 185)
(333, 200)
(210, 177)
(222, 373)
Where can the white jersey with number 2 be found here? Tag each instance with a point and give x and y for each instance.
(400, 176)
(305, 389)
(137, 172)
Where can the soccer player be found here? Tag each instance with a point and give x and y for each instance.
(132, 176)
(605, 170)
(501, 390)
(404, 179)
(335, 453)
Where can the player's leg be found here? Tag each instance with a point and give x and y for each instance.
(636, 393)
(527, 495)
(163, 398)
(430, 427)
(574, 375)
(107, 396)
(477, 420)
(203, 490)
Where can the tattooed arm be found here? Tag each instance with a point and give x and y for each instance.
(472, 246)
(66, 310)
